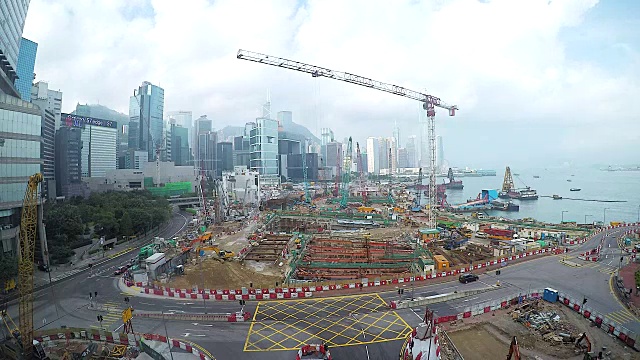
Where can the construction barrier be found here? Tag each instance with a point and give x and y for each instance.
(227, 317)
(301, 292)
(118, 338)
(419, 301)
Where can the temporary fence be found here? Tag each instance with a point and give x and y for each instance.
(118, 339)
(226, 317)
(280, 293)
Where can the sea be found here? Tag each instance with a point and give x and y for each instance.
(595, 184)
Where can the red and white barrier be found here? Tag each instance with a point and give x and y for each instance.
(302, 292)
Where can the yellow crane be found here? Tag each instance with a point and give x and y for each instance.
(28, 222)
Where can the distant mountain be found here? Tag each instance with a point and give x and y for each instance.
(101, 112)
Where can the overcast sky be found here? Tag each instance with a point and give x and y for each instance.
(537, 81)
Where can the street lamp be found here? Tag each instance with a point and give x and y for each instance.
(563, 211)
(585, 219)
(604, 216)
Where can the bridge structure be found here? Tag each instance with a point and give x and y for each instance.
(185, 202)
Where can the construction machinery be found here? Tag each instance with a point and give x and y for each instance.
(23, 346)
(514, 350)
(429, 103)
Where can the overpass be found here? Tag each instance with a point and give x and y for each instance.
(185, 202)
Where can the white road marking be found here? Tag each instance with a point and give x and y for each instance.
(419, 317)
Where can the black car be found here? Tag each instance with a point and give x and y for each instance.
(44, 267)
(465, 278)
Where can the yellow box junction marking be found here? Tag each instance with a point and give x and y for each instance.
(338, 321)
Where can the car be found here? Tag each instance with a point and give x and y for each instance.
(465, 278)
(121, 270)
(44, 267)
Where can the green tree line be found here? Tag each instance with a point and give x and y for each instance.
(111, 214)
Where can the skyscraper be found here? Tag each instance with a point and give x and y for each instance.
(146, 111)
(20, 125)
(183, 118)
(180, 154)
(411, 151)
(373, 155)
(26, 64)
(203, 125)
(264, 149)
(99, 144)
(53, 98)
(12, 16)
(396, 133)
(68, 164)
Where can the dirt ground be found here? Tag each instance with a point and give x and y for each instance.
(488, 337)
(226, 275)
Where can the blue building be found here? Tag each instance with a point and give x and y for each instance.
(146, 115)
(12, 15)
(26, 64)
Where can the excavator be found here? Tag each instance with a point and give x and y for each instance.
(583, 343)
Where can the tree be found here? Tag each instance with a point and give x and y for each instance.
(8, 268)
(126, 226)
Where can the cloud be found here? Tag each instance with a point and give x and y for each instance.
(504, 63)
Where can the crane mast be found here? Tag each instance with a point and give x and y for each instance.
(28, 223)
(430, 102)
(346, 177)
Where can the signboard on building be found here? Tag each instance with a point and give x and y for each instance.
(71, 120)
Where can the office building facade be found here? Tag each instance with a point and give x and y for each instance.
(411, 151)
(42, 94)
(146, 114)
(224, 154)
(20, 157)
(99, 143)
(180, 153)
(25, 66)
(183, 118)
(68, 170)
(264, 149)
(12, 17)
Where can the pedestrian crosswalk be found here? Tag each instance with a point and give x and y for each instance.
(622, 316)
(66, 274)
(605, 269)
(113, 315)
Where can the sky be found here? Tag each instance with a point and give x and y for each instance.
(537, 82)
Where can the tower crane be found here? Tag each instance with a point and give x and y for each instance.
(430, 102)
(28, 221)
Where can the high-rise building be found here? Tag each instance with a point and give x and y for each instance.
(411, 151)
(102, 112)
(183, 118)
(224, 154)
(12, 16)
(135, 159)
(202, 125)
(242, 147)
(373, 155)
(146, 113)
(26, 64)
(68, 161)
(20, 126)
(50, 103)
(180, 153)
(53, 98)
(334, 157)
(98, 143)
(264, 149)
(207, 153)
(396, 133)
(403, 159)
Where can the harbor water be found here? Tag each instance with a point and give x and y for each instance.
(594, 184)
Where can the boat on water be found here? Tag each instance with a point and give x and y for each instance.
(575, 189)
(568, 180)
(527, 194)
(453, 183)
(536, 176)
(504, 206)
(557, 197)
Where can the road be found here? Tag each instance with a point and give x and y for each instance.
(362, 325)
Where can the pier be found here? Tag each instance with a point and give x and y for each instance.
(577, 199)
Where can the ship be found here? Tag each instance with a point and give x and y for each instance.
(575, 189)
(528, 194)
(504, 206)
(453, 183)
(536, 176)
(557, 197)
